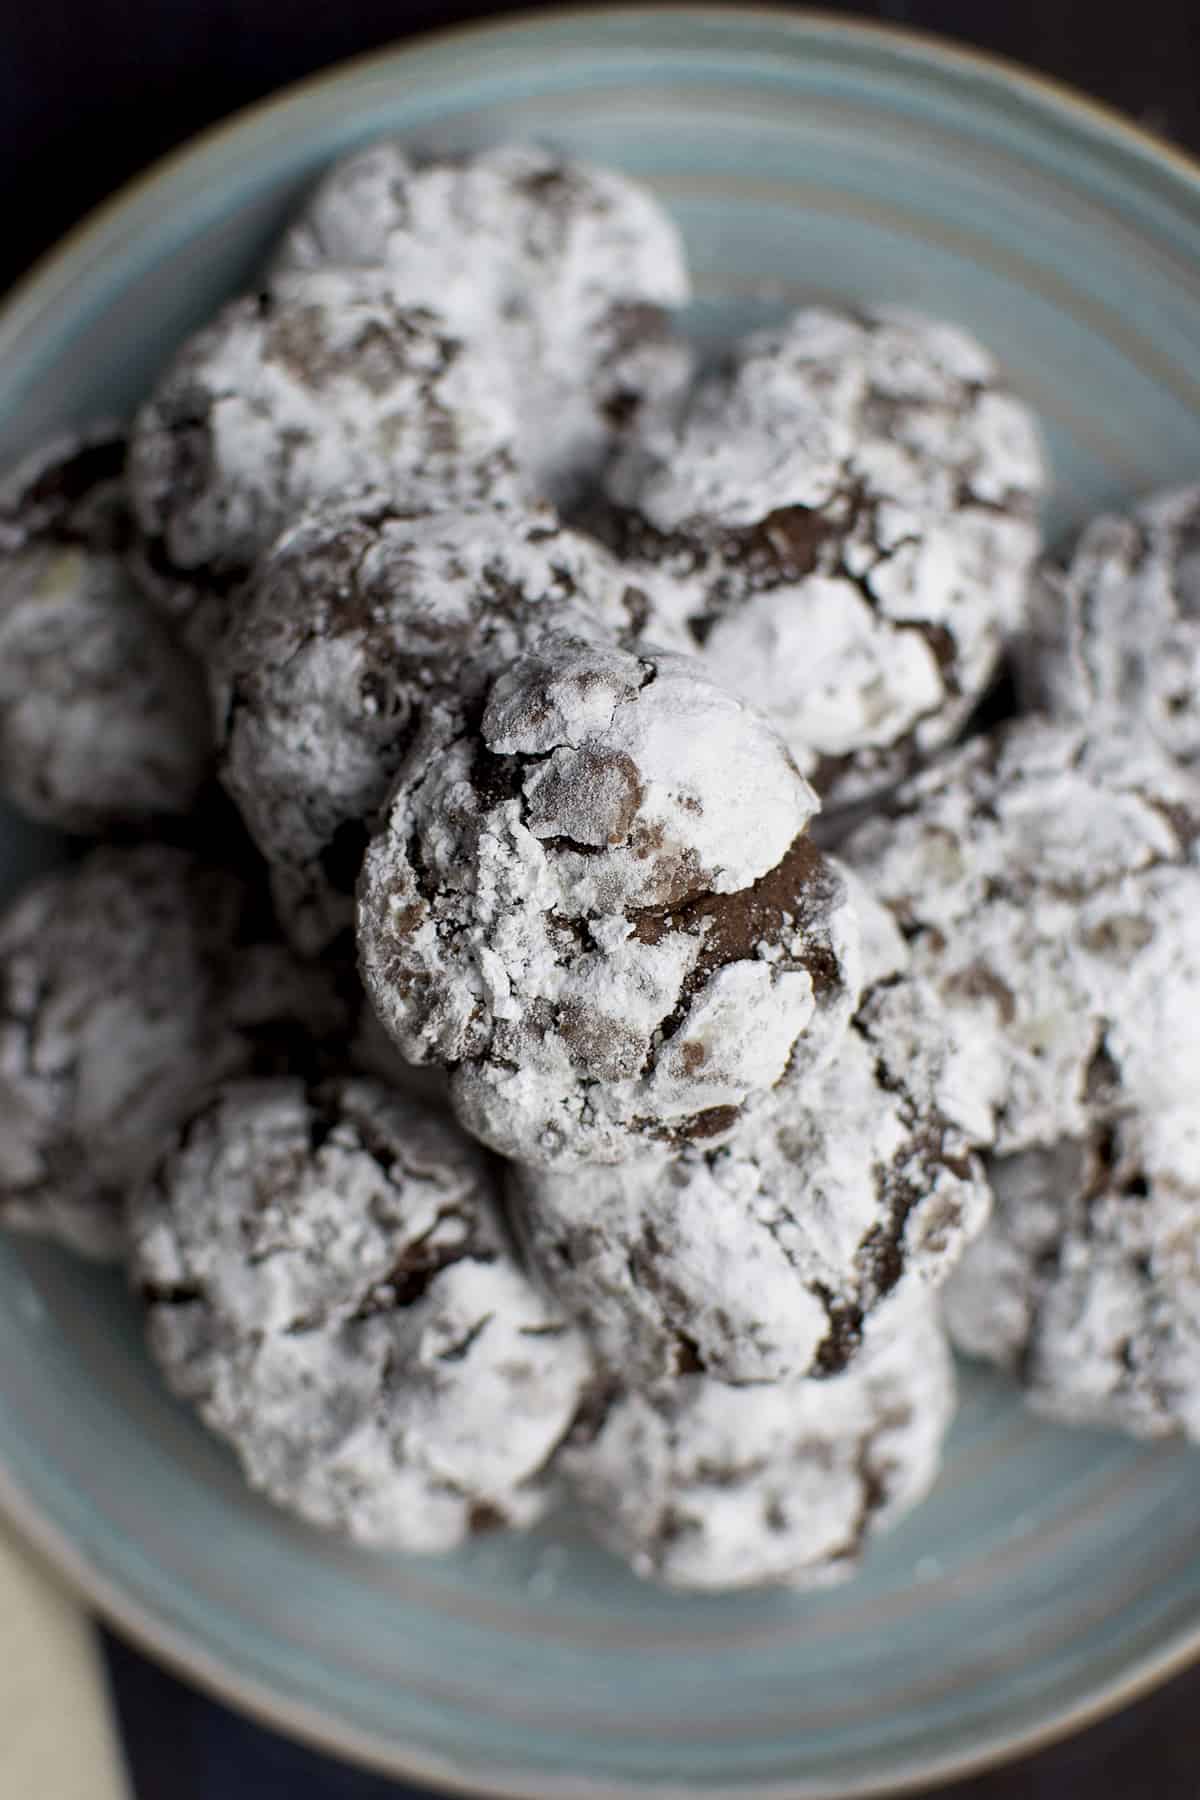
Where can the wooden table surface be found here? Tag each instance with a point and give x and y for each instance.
(91, 93)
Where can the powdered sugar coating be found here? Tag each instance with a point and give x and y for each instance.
(602, 911)
(324, 386)
(566, 268)
(702, 1485)
(103, 722)
(1045, 880)
(1087, 1282)
(1118, 631)
(327, 1282)
(358, 644)
(124, 991)
(846, 517)
(769, 1257)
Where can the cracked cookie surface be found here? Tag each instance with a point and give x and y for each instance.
(1118, 630)
(129, 982)
(569, 269)
(362, 639)
(326, 1280)
(1046, 881)
(775, 1254)
(321, 387)
(845, 518)
(702, 1485)
(1086, 1284)
(601, 910)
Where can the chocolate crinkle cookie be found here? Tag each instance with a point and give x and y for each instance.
(127, 984)
(845, 517)
(702, 1485)
(600, 908)
(103, 719)
(326, 1280)
(363, 637)
(1118, 630)
(1086, 1285)
(321, 386)
(773, 1255)
(570, 271)
(1047, 884)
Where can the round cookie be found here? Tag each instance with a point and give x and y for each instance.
(570, 270)
(702, 1485)
(357, 645)
(128, 982)
(103, 720)
(1118, 631)
(1046, 883)
(845, 517)
(1086, 1285)
(326, 1281)
(601, 910)
(320, 387)
(771, 1256)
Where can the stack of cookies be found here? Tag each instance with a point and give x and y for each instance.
(552, 973)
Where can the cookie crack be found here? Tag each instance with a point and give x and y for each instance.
(844, 1335)
(414, 1272)
(461, 1348)
(800, 891)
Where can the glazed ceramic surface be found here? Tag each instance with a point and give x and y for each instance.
(1051, 1574)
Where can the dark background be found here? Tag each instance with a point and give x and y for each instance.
(91, 91)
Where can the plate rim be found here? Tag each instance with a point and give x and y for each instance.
(322, 1731)
(1054, 95)
(1061, 103)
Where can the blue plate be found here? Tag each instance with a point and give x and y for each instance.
(1052, 1575)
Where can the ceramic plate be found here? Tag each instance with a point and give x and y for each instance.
(1052, 1574)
